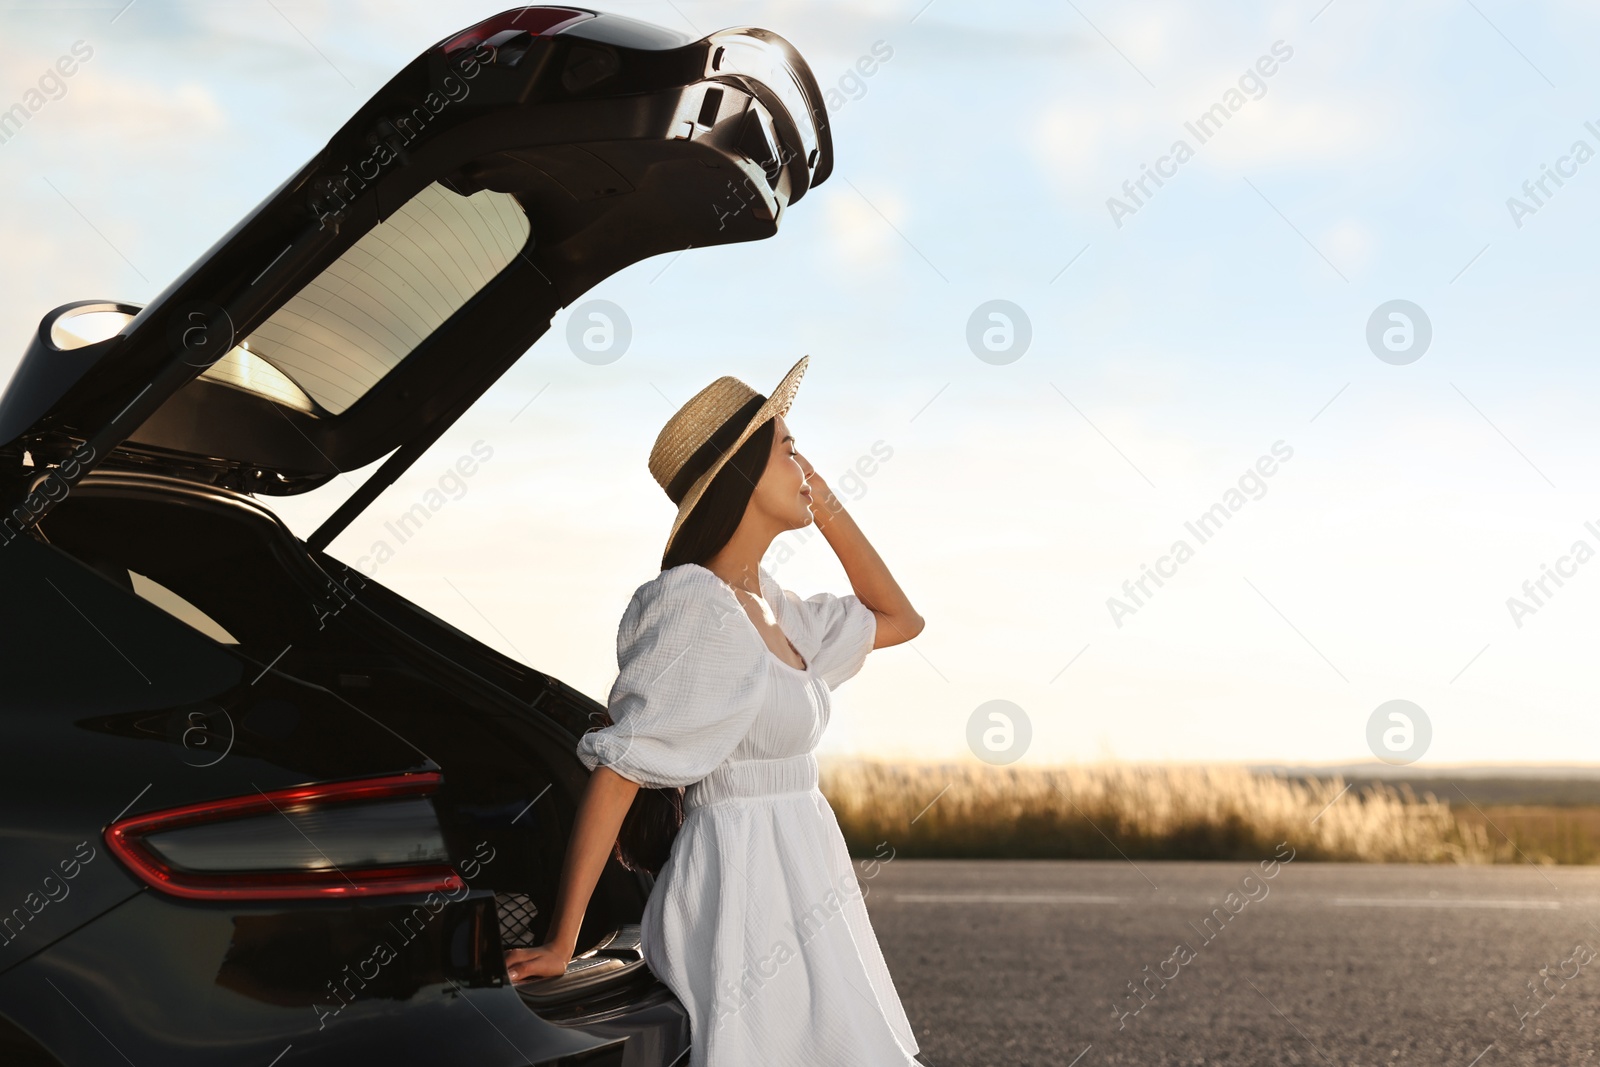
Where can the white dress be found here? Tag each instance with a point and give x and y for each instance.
(756, 920)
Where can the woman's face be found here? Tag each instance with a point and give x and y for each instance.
(782, 492)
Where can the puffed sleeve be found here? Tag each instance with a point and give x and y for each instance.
(690, 681)
(841, 630)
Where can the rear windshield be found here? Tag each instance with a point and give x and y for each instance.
(358, 319)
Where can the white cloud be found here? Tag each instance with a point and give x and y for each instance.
(135, 112)
(1090, 146)
(1079, 138)
(859, 234)
(1276, 131)
(1349, 244)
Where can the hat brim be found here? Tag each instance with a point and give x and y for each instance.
(777, 403)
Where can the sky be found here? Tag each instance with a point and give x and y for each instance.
(1347, 323)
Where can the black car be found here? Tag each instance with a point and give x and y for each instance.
(257, 808)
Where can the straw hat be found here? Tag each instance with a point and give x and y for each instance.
(704, 434)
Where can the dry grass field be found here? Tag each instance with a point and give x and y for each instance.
(1542, 833)
(1170, 811)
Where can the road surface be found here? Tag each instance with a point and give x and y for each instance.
(1033, 962)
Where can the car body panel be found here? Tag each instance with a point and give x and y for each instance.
(136, 707)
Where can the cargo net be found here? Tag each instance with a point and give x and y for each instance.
(516, 912)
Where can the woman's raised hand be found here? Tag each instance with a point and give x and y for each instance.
(824, 505)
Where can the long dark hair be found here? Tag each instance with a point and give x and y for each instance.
(644, 842)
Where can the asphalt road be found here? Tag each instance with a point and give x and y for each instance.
(1029, 962)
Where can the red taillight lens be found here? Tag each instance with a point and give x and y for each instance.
(535, 20)
(362, 838)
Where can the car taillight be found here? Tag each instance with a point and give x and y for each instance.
(360, 838)
(534, 20)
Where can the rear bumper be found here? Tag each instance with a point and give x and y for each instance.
(183, 984)
(609, 991)
(655, 1027)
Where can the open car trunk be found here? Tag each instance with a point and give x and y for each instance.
(364, 305)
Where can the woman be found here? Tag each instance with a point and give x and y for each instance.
(756, 919)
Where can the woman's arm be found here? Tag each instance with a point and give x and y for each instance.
(605, 803)
(874, 586)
